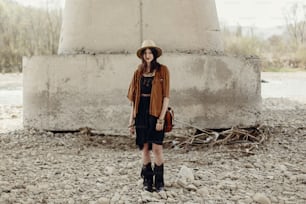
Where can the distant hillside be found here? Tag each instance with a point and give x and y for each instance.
(261, 32)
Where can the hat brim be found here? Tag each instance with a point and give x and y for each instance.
(159, 51)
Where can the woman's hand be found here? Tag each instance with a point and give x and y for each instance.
(159, 125)
(160, 121)
(132, 126)
(132, 130)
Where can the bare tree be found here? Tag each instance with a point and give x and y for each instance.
(295, 18)
(54, 19)
(26, 31)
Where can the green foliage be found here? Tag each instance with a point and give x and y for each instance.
(281, 69)
(26, 31)
(277, 53)
(301, 55)
(243, 45)
(236, 43)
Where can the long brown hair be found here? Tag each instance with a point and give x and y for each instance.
(154, 64)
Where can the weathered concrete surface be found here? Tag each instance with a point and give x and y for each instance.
(69, 92)
(216, 91)
(100, 26)
(179, 25)
(119, 26)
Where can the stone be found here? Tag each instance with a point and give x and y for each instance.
(168, 183)
(140, 182)
(274, 199)
(261, 198)
(109, 170)
(171, 194)
(249, 165)
(171, 200)
(247, 201)
(270, 177)
(191, 187)
(186, 174)
(71, 201)
(115, 198)
(163, 195)
(203, 192)
(282, 167)
(301, 178)
(302, 195)
(197, 183)
(155, 195)
(103, 201)
(182, 183)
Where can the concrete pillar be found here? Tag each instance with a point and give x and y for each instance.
(100, 26)
(72, 91)
(119, 26)
(86, 84)
(182, 26)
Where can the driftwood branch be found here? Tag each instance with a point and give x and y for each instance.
(249, 138)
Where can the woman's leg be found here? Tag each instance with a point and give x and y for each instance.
(146, 154)
(158, 167)
(147, 171)
(158, 154)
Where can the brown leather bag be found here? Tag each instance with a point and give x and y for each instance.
(169, 120)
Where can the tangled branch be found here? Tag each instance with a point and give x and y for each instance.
(249, 138)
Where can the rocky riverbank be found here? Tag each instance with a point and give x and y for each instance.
(45, 167)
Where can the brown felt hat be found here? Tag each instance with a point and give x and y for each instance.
(149, 44)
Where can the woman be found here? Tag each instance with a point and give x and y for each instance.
(149, 96)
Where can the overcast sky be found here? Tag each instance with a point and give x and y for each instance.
(256, 13)
(259, 13)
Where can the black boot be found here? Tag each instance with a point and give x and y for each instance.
(159, 177)
(147, 175)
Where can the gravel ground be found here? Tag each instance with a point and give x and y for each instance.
(45, 167)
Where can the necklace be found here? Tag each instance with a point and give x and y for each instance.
(149, 74)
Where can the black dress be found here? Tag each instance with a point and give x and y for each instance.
(144, 122)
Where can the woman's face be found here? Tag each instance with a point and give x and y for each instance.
(148, 55)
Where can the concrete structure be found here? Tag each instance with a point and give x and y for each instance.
(119, 26)
(78, 89)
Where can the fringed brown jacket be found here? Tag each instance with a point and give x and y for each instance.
(160, 89)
